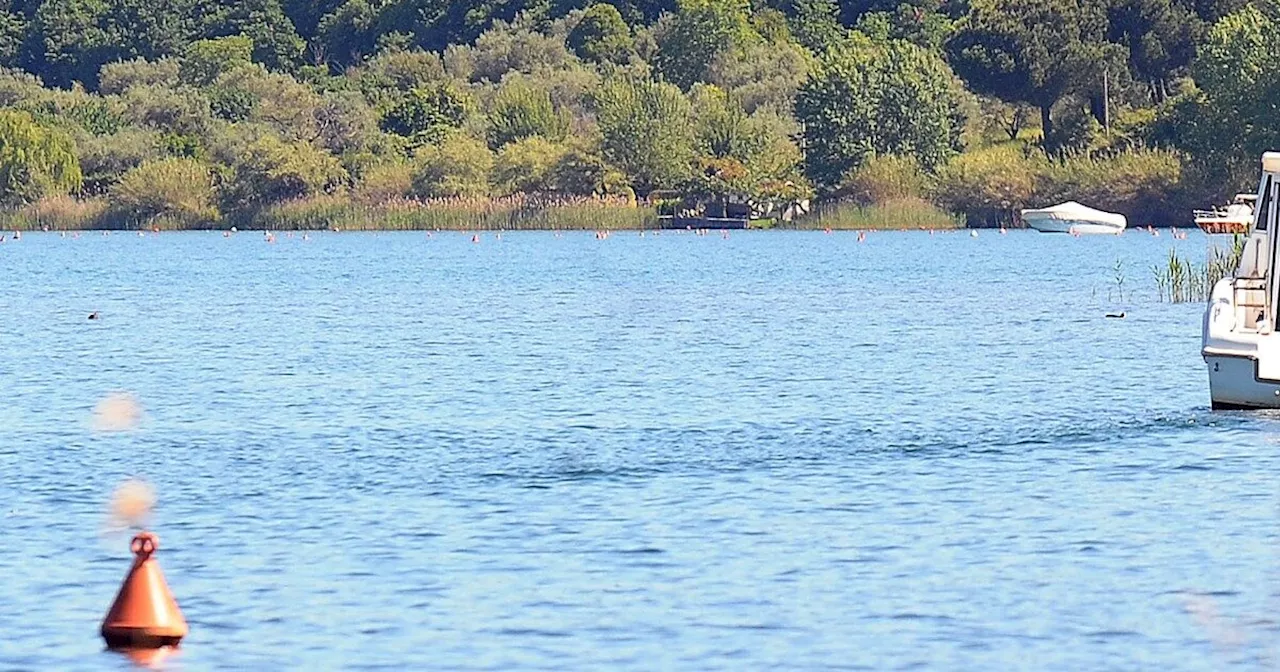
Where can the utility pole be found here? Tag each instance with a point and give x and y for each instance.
(1106, 100)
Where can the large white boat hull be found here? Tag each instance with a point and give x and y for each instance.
(1234, 384)
(1052, 225)
(1074, 218)
(1243, 363)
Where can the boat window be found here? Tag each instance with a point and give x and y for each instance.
(1264, 208)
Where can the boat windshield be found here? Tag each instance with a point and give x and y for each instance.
(1264, 208)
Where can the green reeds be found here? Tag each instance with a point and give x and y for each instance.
(55, 212)
(520, 212)
(1180, 280)
(907, 213)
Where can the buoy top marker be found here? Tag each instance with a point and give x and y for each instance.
(144, 614)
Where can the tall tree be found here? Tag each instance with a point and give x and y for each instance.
(871, 99)
(1231, 121)
(1160, 35)
(35, 161)
(602, 36)
(1030, 51)
(701, 30)
(647, 132)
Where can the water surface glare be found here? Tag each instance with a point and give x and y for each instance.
(775, 450)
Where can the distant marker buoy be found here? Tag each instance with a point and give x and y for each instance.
(144, 614)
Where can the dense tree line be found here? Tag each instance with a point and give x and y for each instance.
(208, 111)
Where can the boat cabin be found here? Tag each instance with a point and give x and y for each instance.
(1255, 288)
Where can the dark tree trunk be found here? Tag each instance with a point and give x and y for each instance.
(1046, 123)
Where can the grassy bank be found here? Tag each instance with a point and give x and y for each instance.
(519, 212)
(342, 213)
(908, 213)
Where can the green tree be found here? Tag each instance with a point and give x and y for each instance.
(307, 15)
(867, 100)
(703, 29)
(71, 40)
(276, 43)
(426, 115)
(65, 35)
(35, 161)
(204, 61)
(1030, 51)
(815, 23)
(526, 165)
(458, 166)
(602, 36)
(582, 171)
(521, 111)
(646, 132)
(269, 170)
(13, 32)
(174, 188)
(349, 33)
(1160, 36)
(1230, 121)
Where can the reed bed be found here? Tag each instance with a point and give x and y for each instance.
(56, 212)
(1179, 280)
(519, 212)
(908, 213)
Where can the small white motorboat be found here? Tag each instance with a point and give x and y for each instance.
(1074, 218)
(1240, 343)
(1234, 218)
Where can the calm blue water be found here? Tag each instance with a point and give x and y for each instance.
(779, 450)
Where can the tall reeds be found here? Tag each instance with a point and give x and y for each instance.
(1179, 280)
(519, 212)
(906, 213)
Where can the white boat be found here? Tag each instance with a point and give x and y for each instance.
(1234, 218)
(1074, 218)
(1240, 343)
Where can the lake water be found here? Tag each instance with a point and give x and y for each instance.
(776, 450)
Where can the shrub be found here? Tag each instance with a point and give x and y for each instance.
(882, 179)
(56, 212)
(269, 169)
(1139, 183)
(176, 189)
(990, 185)
(508, 47)
(522, 111)
(118, 77)
(526, 166)
(602, 35)
(104, 159)
(459, 166)
(35, 161)
(386, 182)
(467, 214)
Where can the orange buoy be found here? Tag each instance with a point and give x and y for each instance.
(144, 615)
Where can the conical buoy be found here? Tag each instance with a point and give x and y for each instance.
(144, 615)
